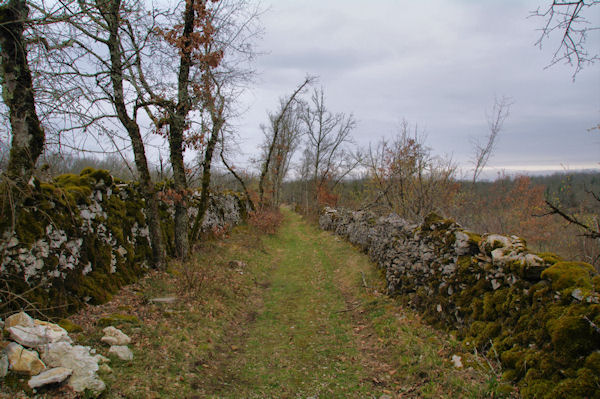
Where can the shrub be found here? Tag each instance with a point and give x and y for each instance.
(266, 220)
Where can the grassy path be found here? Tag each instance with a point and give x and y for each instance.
(300, 344)
(320, 333)
(281, 316)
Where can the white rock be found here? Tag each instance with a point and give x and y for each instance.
(577, 294)
(121, 351)
(533, 260)
(114, 336)
(41, 333)
(457, 361)
(51, 376)
(79, 359)
(3, 364)
(23, 361)
(461, 245)
(493, 241)
(18, 319)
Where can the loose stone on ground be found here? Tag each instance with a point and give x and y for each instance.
(121, 351)
(51, 376)
(114, 336)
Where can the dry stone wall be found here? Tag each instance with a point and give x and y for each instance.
(80, 237)
(539, 315)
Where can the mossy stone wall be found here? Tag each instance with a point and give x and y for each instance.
(81, 237)
(540, 315)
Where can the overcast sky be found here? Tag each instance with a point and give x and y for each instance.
(438, 64)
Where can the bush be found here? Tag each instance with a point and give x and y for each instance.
(266, 220)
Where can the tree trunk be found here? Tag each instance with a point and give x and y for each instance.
(180, 186)
(110, 12)
(206, 165)
(27, 134)
(176, 131)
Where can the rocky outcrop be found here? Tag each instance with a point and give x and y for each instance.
(538, 314)
(81, 237)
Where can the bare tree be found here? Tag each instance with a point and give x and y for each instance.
(327, 135)
(283, 147)
(405, 178)
(277, 120)
(215, 104)
(568, 19)
(89, 70)
(495, 120)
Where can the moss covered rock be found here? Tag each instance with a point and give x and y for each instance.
(81, 236)
(538, 313)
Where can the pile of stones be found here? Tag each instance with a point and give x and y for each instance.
(46, 353)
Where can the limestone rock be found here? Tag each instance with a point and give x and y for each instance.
(18, 319)
(114, 336)
(41, 333)
(23, 361)
(457, 361)
(3, 364)
(121, 351)
(80, 360)
(491, 242)
(51, 376)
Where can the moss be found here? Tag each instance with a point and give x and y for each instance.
(504, 390)
(434, 221)
(536, 388)
(70, 326)
(30, 227)
(483, 332)
(549, 257)
(464, 263)
(572, 336)
(116, 319)
(98, 175)
(584, 385)
(473, 237)
(570, 274)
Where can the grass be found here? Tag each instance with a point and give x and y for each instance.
(278, 316)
